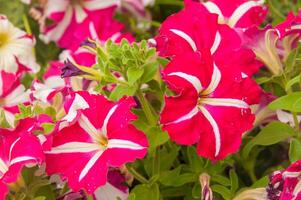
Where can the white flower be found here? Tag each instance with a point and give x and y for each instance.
(16, 48)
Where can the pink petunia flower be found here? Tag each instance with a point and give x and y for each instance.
(73, 21)
(214, 109)
(272, 46)
(16, 49)
(185, 32)
(12, 93)
(286, 184)
(99, 135)
(19, 147)
(237, 13)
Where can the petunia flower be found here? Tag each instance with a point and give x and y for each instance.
(214, 109)
(73, 19)
(99, 135)
(285, 184)
(237, 13)
(19, 147)
(272, 46)
(16, 49)
(12, 93)
(184, 32)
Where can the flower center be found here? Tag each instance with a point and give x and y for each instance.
(102, 141)
(3, 39)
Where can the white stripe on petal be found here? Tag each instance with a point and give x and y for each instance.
(17, 96)
(297, 190)
(21, 159)
(89, 165)
(241, 11)
(124, 144)
(56, 6)
(216, 43)
(93, 31)
(57, 32)
(215, 128)
(74, 147)
(80, 14)
(224, 102)
(100, 4)
(190, 115)
(288, 174)
(106, 121)
(194, 81)
(12, 147)
(78, 103)
(215, 80)
(88, 127)
(3, 167)
(186, 37)
(213, 8)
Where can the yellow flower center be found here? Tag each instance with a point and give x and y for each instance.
(102, 141)
(3, 39)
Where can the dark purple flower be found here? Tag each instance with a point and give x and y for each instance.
(70, 69)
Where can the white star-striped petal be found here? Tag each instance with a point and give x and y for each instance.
(74, 147)
(215, 80)
(215, 128)
(224, 102)
(186, 37)
(193, 80)
(242, 10)
(124, 144)
(89, 165)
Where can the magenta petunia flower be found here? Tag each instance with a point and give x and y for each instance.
(237, 13)
(73, 21)
(286, 184)
(99, 135)
(186, 32)
(12, 93)
(210, 106)
(19, 147)
(273, 45)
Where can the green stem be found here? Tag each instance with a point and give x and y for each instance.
(136, 175)
(146, 108)
(170, 2)
(26, 24)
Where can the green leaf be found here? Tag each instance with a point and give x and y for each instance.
(48, 127)
(156, 137)
(196, 191)
(271, 134)
(134, 74)
(39, 198)
(169, 177)
(263, 182)
(221, 180)
(222, 190)
(195, 161)
(294, 150)
(146, 192)
(150, 70)
(121, 91)
(234, 181)
(290, 102)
